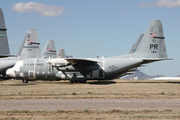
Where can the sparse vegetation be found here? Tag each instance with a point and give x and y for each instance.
(74, 94)
(12, 89)
(89, 92)
(89, 114)
(86, 111)
(93, 89)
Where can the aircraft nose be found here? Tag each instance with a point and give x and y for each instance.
(10, 72)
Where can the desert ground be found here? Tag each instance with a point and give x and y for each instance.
(125, 90)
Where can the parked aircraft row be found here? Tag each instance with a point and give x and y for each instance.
(31, 65)
(150, 47)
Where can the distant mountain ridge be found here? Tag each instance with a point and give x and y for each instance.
(141, 75)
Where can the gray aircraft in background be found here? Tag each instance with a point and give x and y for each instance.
(4, 46)
(28, 49)
(49, 50)
(61, 54)
(150, 47)
(135, 45)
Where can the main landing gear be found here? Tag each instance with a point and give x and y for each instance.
(79, 81)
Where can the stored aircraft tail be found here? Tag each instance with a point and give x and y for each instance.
(4, 46)
(30, 45)
(152, 44)
(49, 50)
(135, 46)
(61, 53)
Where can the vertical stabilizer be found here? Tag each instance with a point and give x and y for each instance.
(61, 53)
(135, 46)
(131, 51)
(152, 44)
(30, 46)
(4, 46)
(49, 50)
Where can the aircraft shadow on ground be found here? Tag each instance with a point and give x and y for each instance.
(22, 84)
(174, 82)
(107, 82)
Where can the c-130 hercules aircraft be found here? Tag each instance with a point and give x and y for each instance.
(150, 47)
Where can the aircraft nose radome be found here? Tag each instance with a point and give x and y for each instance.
(10, 72)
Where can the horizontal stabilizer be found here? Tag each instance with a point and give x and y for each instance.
(148, 60)
(6, 55)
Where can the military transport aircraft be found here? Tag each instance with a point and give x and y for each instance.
(150, 47)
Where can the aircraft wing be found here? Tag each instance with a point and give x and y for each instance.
(6, 55)
(62, 62)
(80, 60)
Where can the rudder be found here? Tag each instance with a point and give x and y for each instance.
(61, 53)
(30, 46)
(135, 46)
(49, 50)
(4, 46)
(152, 44)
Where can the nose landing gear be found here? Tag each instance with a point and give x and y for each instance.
(24, 81)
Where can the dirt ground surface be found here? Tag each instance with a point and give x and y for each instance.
(92, 104)
(116, 99)
(15, 89)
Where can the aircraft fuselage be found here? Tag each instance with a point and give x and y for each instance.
(106, 68)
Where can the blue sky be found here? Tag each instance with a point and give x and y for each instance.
(90, 28)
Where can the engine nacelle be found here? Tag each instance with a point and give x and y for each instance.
(58, 62)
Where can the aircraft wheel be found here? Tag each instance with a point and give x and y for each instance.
(24, 81)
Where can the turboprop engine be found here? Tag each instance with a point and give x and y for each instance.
(58, 62)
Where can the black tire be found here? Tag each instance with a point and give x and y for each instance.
(24, 81)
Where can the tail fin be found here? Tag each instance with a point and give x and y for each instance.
(61, 53)
(135, 46)
(152, 44)
(4, 46)
(49, 50)
(30, 45)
